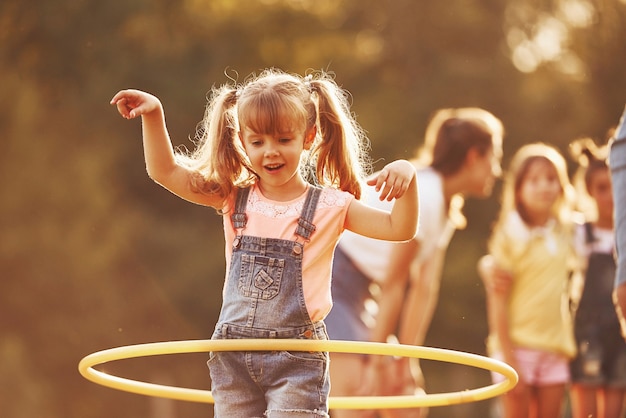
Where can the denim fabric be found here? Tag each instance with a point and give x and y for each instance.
(601, 356)
(350, 289)
(267, 383)
(617, 163)
(263, 298)
(595, 306)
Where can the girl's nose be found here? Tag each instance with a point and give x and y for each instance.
(271, 152)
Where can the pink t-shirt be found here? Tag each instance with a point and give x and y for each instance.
(271, 219)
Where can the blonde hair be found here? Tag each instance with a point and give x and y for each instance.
(516, 174)
(269, 103)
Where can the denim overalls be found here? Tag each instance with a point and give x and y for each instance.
(601, 357)
(263, 298)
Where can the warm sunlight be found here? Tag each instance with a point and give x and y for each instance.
(538, 37)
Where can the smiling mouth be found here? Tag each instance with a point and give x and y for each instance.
(273, 167)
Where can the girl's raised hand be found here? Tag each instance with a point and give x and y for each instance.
(133, 103)
(393, 180)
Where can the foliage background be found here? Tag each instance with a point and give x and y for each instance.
(94, 255)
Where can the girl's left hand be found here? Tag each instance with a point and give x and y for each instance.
(393, 180)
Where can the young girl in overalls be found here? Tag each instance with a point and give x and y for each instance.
(599, 369)
(282, 158)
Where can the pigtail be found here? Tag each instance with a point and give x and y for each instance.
(590, 158)
(340, 153)
(218, 161)
(583, 151)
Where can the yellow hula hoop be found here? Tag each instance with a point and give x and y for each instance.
(86, 369)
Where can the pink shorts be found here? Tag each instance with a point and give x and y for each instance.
(537, 367)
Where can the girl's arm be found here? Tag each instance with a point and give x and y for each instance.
(498, 284)
(396, 181)
(158, 151)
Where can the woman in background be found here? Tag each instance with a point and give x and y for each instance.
(461, 157)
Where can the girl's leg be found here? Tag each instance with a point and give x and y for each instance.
(613, 403)
(550, 401)
(346, 379)
(517, 402)
(583, 400)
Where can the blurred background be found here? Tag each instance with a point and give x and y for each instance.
(94, 255)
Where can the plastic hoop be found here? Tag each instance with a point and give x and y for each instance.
(86, 369)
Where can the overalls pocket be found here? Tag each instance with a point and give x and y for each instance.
(260, 276)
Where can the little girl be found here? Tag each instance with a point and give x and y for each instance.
(257, 146)
(599, 368)
(531, 251)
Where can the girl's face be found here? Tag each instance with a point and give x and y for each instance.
(600, 190)
(484, 170)
(539, 190)
(275, 158)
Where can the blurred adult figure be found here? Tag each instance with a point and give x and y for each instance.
(460, 158)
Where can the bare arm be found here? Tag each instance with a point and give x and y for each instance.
(158, 151)
(498, 284)
(393, 376)
(393, 290)
(422, 299)
(396, 181)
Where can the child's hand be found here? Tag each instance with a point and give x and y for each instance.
(133, 103)
(394, 179)
(494, 277)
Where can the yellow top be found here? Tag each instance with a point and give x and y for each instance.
(540, 260)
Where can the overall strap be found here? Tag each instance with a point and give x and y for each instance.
(589, 237)
(239, 218)
(305, 222)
